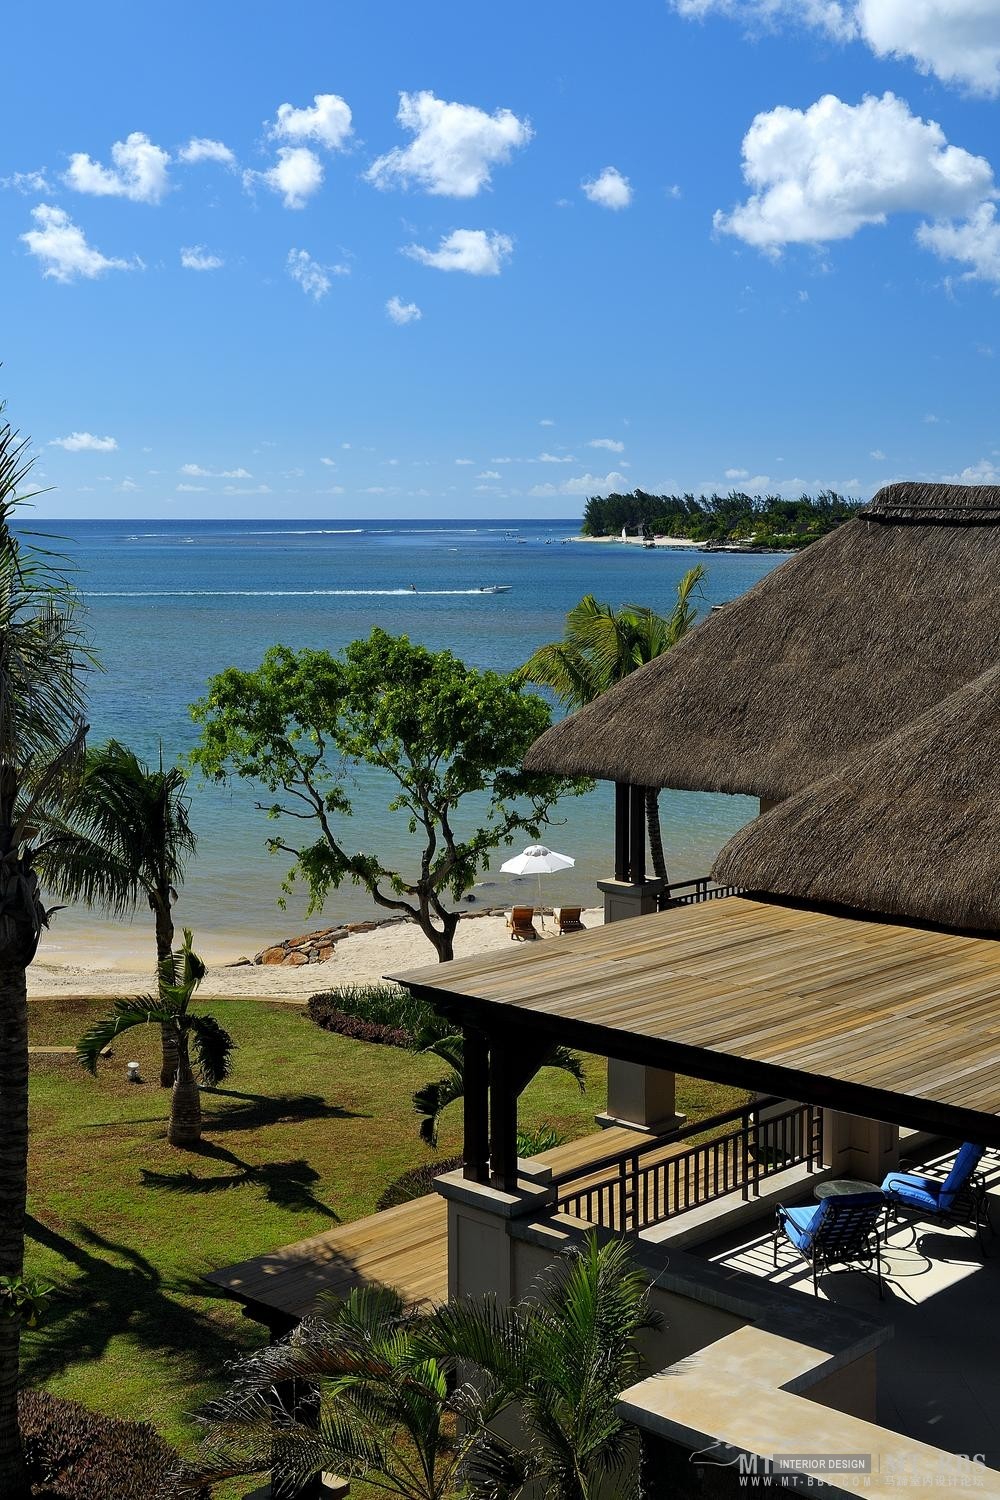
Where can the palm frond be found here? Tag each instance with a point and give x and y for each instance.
(142, 1010)
(432, 1100)
(213, 1046)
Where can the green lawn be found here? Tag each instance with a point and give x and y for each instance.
(307, 1134)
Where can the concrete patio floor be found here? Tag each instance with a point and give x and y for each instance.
(939, 1374)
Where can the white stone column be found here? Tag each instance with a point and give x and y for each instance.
(856, 1147)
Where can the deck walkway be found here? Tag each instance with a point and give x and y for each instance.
(404, 1247)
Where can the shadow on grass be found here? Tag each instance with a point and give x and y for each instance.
(250, 1111)
(289, 1184)
(118, 1291)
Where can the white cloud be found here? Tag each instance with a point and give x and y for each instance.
(957, 40)
(327, 122)
(546, 422)
(583, 484)
(26, 182)
(192, 489)
(85, 442)
(139, 171)
(611, 444)
(465, 462)
(200, 148)
(311, 275)
(976, 242)
(480, 252)
(488, 474)
(877, 455)
(610, 189)
(127, 486)
(195, 471)
(296, 175)
(403, 312)
(62, 247)
(258, 489)
(454, 146)
(822, 173)
(333, 489)
(674, 190)
(737, 473)
(930, 418)
(555, 458)
(331, 463)
(984, 472)
(197, 258)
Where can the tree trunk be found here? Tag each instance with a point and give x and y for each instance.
(13, 1193)
(442, 937)
(164, 947)
(653, 830)
(185, 1104)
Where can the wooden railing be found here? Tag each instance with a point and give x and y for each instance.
(656, 1181)
(691, 892)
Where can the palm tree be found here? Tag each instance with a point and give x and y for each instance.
(43, 662)
(384, 1407)
(125, 840)
(563, 1357)
(432, 1099)
(391, 1402)
(601, 646)
(180, 975)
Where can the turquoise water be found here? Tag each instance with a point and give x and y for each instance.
(171, 603)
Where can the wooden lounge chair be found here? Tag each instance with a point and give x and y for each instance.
(841, 1231)
(521, 923)
(569, 919)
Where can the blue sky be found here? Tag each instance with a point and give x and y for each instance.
(492, 259)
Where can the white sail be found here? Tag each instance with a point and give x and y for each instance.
(624, 537)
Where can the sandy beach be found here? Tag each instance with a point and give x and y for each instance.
(362, 958)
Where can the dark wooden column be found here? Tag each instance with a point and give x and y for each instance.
(622, 800)
(514, 1061)
(475, 1101)
(630, 833)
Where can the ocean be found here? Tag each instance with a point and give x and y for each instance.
(170, 603)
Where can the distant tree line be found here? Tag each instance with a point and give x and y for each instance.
(770, 520)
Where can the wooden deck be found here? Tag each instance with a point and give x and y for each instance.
(404, 1247)
(893, 1022)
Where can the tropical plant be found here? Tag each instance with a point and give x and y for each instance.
(124, 840)
(563, 1357)
(390, 1400)
(435, 732)
(384, 1407)
(432, 1099)
(181, 973)
(43, 662)
(601, 645)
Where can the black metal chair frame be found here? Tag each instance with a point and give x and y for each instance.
(862, 1250)
(969, 1209)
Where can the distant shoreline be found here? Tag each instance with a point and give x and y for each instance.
(674, 543)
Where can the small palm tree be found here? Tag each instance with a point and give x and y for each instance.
(563, 1357)
(602, 646)
(43, 665)
(180, 975)
(386, 1409)
(432, 1099)
(125, 838)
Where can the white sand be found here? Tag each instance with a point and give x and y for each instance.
(362, 958)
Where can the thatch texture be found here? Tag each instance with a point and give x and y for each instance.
(910, 830)
(842, 645)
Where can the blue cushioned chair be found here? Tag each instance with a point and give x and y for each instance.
(959, 1198)
(841, 1230)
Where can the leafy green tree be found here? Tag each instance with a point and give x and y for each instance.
(432, 1099)
(601, 645)
(438, 733)
(124, 840)
(181, 973)
(43, 663)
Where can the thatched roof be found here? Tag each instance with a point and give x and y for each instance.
(911, 829)
(846, 642)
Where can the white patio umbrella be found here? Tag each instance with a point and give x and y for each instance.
(537, 860)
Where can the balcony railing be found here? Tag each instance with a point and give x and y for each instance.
(662, 1179)
(690, 892)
